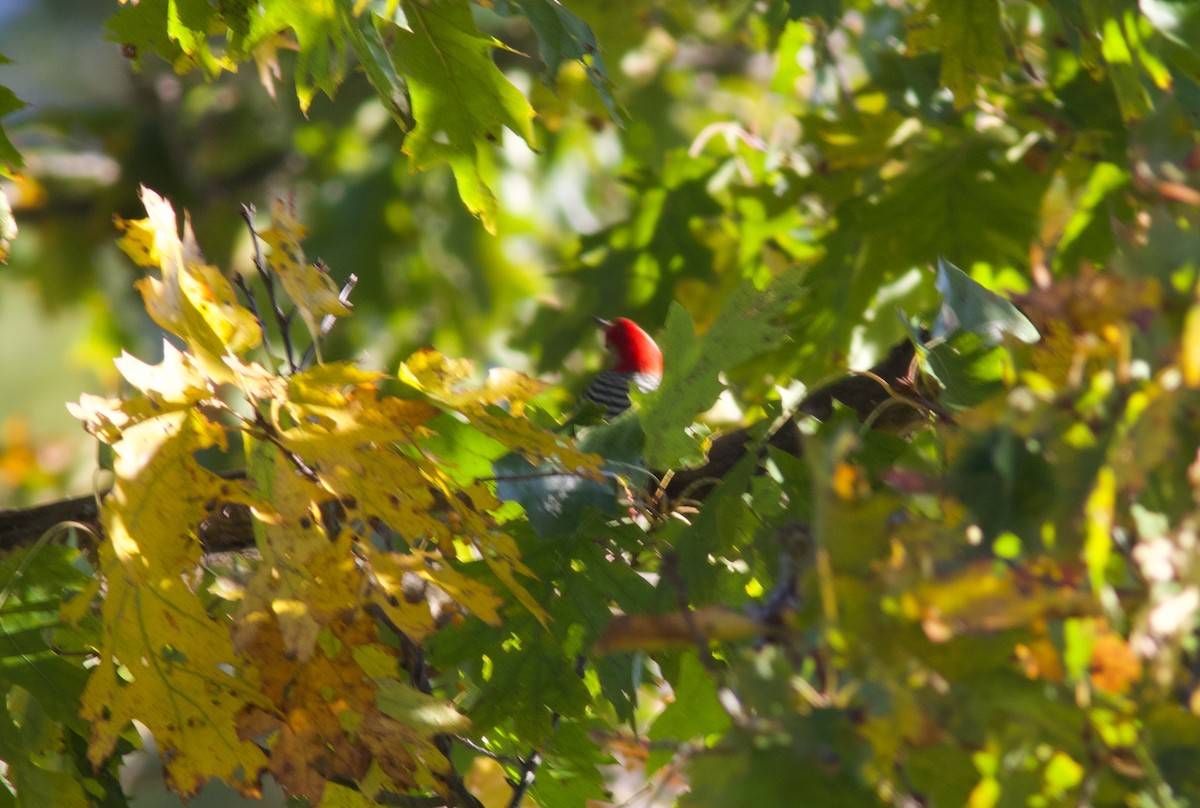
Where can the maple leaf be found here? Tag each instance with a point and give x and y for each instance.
(155, 628)
(191, 299)
(460, 99)
(308, 285)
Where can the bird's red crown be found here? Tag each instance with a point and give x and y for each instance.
(635, 350)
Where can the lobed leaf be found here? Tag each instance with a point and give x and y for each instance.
(461, 101)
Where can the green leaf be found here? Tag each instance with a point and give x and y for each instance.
(320, 64)
(377, 63)
(969, 370)
(968, 305)
(562, 35)
(970, 34)
(695, 710)
(572, 775)
(188, 23)
(554, 501)
(461, 101)
(413, 708)
(8, 153)
(748, 325)
(143, 26)
(1006, 484)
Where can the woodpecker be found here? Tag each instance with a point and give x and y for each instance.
(638, 362)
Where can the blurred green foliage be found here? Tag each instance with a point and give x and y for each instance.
(999, 611)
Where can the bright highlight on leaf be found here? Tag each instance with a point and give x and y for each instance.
(190, 299)
(461, 111)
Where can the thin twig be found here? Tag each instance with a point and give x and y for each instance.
(269, 282)
(240, 282)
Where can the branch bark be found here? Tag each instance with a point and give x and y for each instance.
(891, 397)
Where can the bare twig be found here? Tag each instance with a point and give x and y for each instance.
(269, 282)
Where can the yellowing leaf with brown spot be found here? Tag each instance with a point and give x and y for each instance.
(177, 659)
(443, 379)
(435, 374)
(327, 385)
(297, 559)
(324, 723)
(107, 418)
(184, 681)
(214, 310)
(310, 288)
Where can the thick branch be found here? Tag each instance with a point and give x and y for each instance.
(890, 397)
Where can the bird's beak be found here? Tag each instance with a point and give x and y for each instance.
(600, 321)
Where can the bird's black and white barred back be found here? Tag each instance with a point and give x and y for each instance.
(610, 389)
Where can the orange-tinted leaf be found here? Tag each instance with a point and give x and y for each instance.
(1114, 667)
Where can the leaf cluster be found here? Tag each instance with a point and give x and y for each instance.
(451, 593)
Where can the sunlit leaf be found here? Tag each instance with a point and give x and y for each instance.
(460, 100)
(308, 285)
(192, 299)
(749, 325)
(8, 224)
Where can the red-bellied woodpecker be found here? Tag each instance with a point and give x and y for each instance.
(638, 362)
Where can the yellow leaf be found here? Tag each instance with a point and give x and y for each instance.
(435, 374)
(171, 651)
(979, 599)
(216, 321)
(338, 796)
(406, 606)
(1098, 509)
(156, 629)
(326, 385)
(310, 288)
(488, 781)
(107, 418)
(1190, 360)
(192, 300)
(295, 551)
(174, 380)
